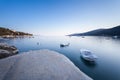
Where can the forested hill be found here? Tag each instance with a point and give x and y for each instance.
(6, 31)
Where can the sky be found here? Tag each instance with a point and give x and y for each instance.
(59, 17)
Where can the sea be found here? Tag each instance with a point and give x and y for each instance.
(107, 49)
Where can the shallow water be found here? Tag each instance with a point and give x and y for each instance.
(107, 67)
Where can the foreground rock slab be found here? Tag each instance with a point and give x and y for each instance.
(40, 65)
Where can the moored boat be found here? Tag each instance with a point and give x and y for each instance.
(88, 55)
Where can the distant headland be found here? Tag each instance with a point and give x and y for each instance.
(115, 31)
(5, 32)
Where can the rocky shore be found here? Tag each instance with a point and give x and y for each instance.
(40, 65)
(7, 50)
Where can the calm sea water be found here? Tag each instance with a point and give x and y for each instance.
(107, 67)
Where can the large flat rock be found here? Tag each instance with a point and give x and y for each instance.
(39, 65)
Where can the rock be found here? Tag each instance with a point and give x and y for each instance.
(4, 53)
(7, 50)
(40, 65)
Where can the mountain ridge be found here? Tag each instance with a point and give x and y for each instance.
(115, 31)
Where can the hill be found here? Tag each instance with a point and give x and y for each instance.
(6, 31)
(115, 31)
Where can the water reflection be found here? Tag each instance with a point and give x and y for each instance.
(90, 64)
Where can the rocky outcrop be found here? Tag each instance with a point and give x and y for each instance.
(7, 50)
(40, 65)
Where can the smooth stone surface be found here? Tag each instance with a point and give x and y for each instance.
(40, 65)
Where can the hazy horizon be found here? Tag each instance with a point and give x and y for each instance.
(59, 17)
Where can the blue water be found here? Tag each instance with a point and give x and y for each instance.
(107, 67)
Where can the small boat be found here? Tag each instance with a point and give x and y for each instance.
(64, 45)
(87, 55)
(115, 37)
(83, 37)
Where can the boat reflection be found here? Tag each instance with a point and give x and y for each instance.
(89, 63)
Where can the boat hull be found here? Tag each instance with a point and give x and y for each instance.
(88, 56)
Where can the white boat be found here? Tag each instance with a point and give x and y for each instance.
(87, 55)
(115, 37)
